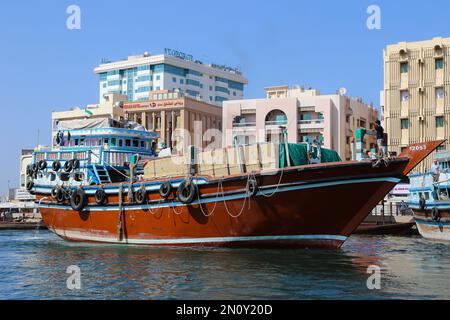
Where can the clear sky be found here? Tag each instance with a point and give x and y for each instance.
(322, 44)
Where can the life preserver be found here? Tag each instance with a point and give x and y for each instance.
(68, 166)
(42, 165)
(56, 166)
(78, 200)
(422, 203)
(165, 190)
(252, 188)
(30, 185)
(186, 192)
(141, 196)
(75, 164)
(100, 197)
(435, 214)
(60, 195)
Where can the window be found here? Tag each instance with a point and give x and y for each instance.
(404, 67)
(142, 144)
(120, 143)
(158, 77)
(440, 93)
(404, 123)
(210, 88)
(181, 81)
(404, 95)
(439, 122)
(136, 143)
(113, 142)
(128, 143)
(174, 79)
(439, 63)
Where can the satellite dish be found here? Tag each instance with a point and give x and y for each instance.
(343, 91)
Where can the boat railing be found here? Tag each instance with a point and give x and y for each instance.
(84, 155)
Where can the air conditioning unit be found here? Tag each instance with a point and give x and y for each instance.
(421, 118)
(420, 89)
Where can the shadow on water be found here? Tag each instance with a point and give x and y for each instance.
(37, 270)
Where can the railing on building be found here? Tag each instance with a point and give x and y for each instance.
(311, 121)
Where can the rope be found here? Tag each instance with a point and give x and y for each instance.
(215, 204)
(243, 205)
(278, 186)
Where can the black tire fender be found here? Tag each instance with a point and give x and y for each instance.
(68, 166)
(42, 165)
(186, 192)
(252, 188)
(30, 185)
(435, 214)
(165, 190)
(100, 197)
(60, 195)
(56, 166)
(78, 200)
(140, 196)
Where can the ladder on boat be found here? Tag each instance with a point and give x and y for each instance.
(102, 174)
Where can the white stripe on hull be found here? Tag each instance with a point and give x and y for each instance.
(77, 235)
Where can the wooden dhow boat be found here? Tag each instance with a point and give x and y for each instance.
(429, 200)
(96, 189)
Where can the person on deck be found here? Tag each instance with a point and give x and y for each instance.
(380, 138)
(436, 171)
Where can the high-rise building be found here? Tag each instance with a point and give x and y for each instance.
(138, 75)
(304, 114)
(415, 100)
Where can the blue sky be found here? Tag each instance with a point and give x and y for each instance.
(322, 44)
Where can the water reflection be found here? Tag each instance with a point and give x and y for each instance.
(35, 269)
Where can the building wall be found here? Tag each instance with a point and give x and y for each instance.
(138, 75)
(415, 100)
(173, 115)
(334, 117)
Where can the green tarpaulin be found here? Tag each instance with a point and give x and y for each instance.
(298, 155)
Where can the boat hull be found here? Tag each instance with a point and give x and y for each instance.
(432, 229)
(307, 207)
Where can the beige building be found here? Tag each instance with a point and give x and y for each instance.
(415, 100)
(179, 119)
(305, 114)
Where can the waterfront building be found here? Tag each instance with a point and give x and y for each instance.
(138, 75)
(177, 117)
(305, 114)
(415, 99)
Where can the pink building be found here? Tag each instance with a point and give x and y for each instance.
(306, 114)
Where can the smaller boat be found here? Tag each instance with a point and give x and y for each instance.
(430, 200)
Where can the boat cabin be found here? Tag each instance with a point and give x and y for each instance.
(86, 156)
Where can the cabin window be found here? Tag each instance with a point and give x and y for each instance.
(142, 144)
(120, 143)
(135, 143)
(105, 142)
(128, 143)
(79, 176)
(82, 142)
(113, 142)
(76, 142)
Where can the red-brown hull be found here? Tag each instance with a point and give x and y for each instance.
(320, 212)
(314, 206)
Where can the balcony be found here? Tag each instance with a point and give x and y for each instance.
(311, 124)
(244, 125)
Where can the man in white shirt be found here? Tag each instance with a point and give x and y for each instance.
(435, 170)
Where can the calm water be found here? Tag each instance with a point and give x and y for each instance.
(33, 266)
